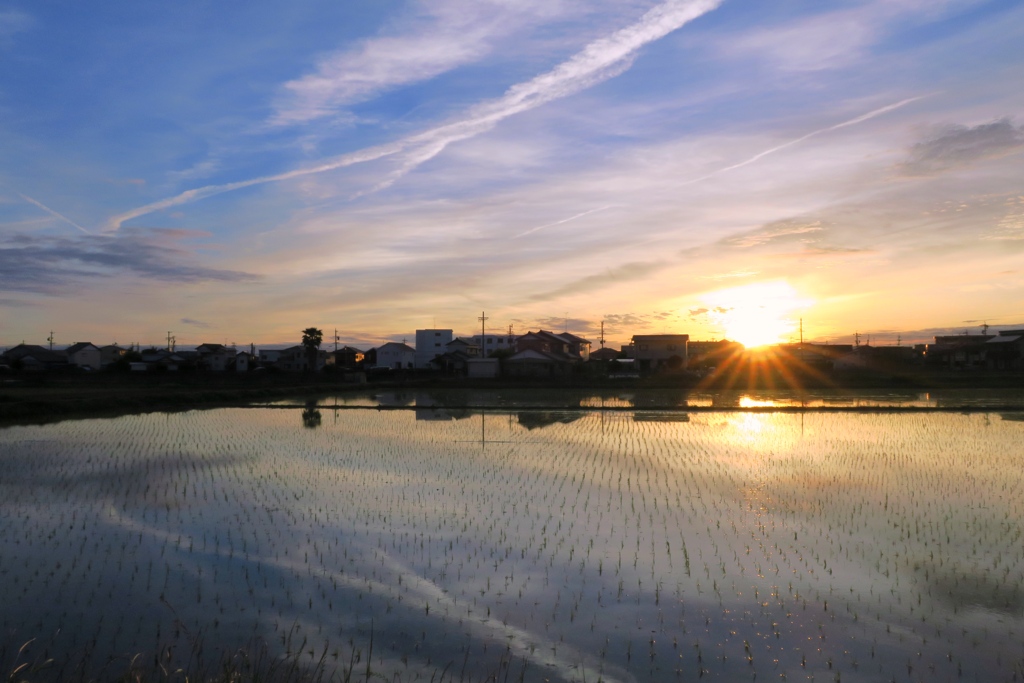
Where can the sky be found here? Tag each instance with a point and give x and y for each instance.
(237, 172)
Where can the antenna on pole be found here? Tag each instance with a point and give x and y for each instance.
(566, 322)
(335, 339)
(602, 334)
(169, 338)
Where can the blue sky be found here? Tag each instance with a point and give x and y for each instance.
(236, 173)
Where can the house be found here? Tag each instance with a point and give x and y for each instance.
(656, 351)
(34, 358)
(604, 354)
(464, 346)
(84, 355)
(430, 344)
(396, 355)
(533, 363)
(960, 351)
(216, 357)
(296, 359)
(348, 358)
(1005, 351)
(452, 363)
(269, 357)
(489, 343)
(111, 354)
(565, 344)
(153, 359)
(243, 360)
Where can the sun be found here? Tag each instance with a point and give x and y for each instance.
(757, 314)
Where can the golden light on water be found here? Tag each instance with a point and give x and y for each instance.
(757, 314)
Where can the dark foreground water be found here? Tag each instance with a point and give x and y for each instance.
(639, 544)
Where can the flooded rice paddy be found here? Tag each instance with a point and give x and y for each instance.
(622, 545)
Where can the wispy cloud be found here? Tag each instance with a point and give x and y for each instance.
(600, 60)
(48, 265)
(958, 146)
(195, 323)
(436, 37)
(12, 22)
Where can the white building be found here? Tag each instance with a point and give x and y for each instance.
(429, 345)
(396, 355)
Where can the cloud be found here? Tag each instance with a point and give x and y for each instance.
(557, 325)
(636, 270)
(194, 323)
(439, 37)
(773, 231)
(599, 61)
(960, 146)
(49, 265)
(13, 22)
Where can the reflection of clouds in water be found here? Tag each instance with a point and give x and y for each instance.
(530, 646)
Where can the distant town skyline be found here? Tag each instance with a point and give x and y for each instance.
(704, 167)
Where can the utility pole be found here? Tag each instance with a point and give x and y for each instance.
(856, 338)
(335, 339)
(801, 331)
(602, 334)
(169, 340)
(50, 339)
(483, 319)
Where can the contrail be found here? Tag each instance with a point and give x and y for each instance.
(53, 213)
(564, 220)
(859, 119)
(597, 62)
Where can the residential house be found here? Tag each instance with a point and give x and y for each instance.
(84, 355)
(110, 354)
(656, 351)
(604, 354)
(34, 358)
(960, 351)
(569, 345)
(464, 346)
(348, 358)
(269, 357)
(489, 343)
(162, 359)
(296, 359)
(531, 362)
(430, 344)
(396, 355)
(216, 357)
(1005, 351)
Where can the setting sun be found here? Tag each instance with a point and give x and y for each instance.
(756, 314)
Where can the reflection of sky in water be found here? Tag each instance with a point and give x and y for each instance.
(871, 546)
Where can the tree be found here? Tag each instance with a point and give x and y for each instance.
(311, 339)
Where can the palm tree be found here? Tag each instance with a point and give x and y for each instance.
(311, 339)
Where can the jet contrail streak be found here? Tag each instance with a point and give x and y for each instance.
(863, 117)
(564, 220)
(53, 213)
